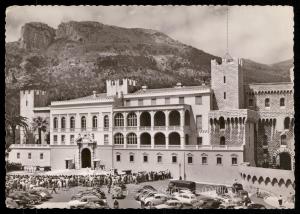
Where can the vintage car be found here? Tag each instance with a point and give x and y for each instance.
(256, 206)
(210, 203)
(117, 192)
(83, 201)
(101, 204)
(187, 198)
(170, 204)
(10, 203)
(156, 199)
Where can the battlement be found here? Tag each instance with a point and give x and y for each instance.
(120, 87)
(226, 61)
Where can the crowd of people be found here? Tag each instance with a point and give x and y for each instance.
(64, 182)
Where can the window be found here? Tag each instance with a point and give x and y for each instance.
(198, 100)
(145, 158)
(181, 100)
(132, 119)
(131, 158)
(219, 160)
(72, 123)
(72, 137)
(18, 155)
(199, 121)
(159, 159)
(224, 95)
(190, 159)
(55, 139)
(119, 138)
(127, 102)
(55, 123)
(174, 159)
(120, 82)
(95, 122)
(234, 160)
(83, 123)
(222, 123)
(29, 155)
(153, 101)
(131, 138)
(282, 102)
(267, 102)
(286, 123)
(265, 151)
(167, 100)
(140, 102)
(199, 140)
(119, 120)
(106, 139)
(204, 160)
(26, 102)
(106, 121)
(222, 141)
(41, 156)
(224, 79)
(250, 102)
(63, 123)
(118, 157)
(265, 140)
(283, 140)
(63, 137)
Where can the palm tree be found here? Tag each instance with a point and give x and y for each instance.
(12, 120)
(41, 125)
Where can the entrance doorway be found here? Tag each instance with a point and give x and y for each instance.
(86, 158)
(285, 161)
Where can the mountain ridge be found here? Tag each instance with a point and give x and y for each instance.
(77, 57)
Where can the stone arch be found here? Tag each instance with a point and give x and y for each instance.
(281, 182)
(145, 119)
(286, 123)
(145, 138)
(174, 118)
(159, 118)
(187, 118)
(248, 177)
(159, 139)
(174, 138)
(288, 183)
(244, 176)
(274, 181)
(267, 181)
(222, 123)
(260, 179)
(254, 179)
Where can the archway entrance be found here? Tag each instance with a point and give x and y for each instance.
(86, 158)
(285, 161)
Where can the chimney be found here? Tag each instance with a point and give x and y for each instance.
(94, 94)
(144, 87)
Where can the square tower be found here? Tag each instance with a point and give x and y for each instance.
(120, 87)
(227, 82)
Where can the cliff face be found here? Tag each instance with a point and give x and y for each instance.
(36, 35)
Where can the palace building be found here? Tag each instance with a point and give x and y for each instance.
(201, 133)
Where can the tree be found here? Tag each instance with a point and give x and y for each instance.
(41, 125)
(12, 120)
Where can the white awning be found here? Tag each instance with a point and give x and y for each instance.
(96, 160)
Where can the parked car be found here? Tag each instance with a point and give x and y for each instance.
(256, 206)
(181, 191)
(83, 201)
(101, 204)
(170, 204)
(156, 199)
(227, 206)
(236, 187)
(117, 192)
(146, 187)
(141, 194)
(147, 195)
(10, 203)
(180, 184)
(186, 198)
(210, 203)
(43, 192)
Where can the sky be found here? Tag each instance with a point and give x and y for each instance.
(260, 33)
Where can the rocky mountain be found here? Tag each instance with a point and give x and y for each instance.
(77, 58)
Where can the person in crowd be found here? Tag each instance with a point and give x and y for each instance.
(116, 204)
(280, 200)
